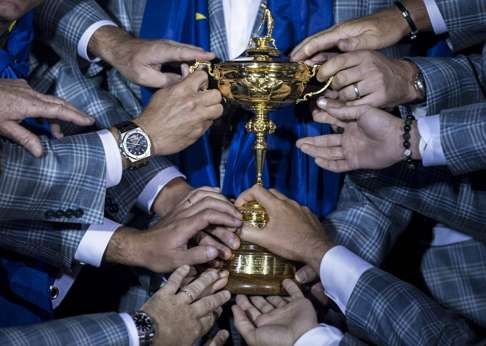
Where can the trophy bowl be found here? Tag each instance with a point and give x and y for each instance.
(261, 82)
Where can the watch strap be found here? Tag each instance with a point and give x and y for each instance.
(408, 17)
(126, 126)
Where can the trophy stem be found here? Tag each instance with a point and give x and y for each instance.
(260, 125)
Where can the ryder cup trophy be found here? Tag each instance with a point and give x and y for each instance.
(260, 83)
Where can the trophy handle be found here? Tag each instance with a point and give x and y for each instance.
(194, 67)
(315, 93)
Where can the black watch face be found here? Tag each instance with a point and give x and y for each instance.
(136, 144)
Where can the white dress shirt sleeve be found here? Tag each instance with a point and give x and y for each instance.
(324, 335)
(114, 166)
(340, 271)
(430, 144)
(94, 243)
(131, 328)
(148, 195)
(436, 19)
(86, 37)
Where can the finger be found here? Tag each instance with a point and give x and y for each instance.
(206, 323)
(154, 78)
(196, 223)
(56, 131)
(347, 77)
(369, 100)
(276, 301)
(195, 81)
(223, 251)
(334, 140)
(257, 193)
(213, 112)
(198, 255)
(348, 113)
(209, 97)
(251, 311)
(306, 275)
(209, 202)
(321, 41)
(261, 304)
(353, 43)
(320, 58)
(323, 103)
(194, 290)
(244, 325)
(226, 235)
(339, 166)
(175, 280)
(336, 64)
(326, 153)
(318, 292)
(22, 136)
(60, 110)
(292, 289)
(349, 93)
(324, 118)
(219, 339)
(278, 194)
(210, 303)
(183, 52)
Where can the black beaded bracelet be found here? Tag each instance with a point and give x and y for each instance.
(407, 127)
(408, 17)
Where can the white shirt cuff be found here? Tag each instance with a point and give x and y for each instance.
(131, 328)
(94, 243)
(86, 37)
(148, 195)
(430, 145)
(64, 283)
(443, 236)
(114, 166)
(324, 335)
(438, 23)
(340, 271)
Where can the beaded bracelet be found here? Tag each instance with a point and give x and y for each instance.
(407, 127)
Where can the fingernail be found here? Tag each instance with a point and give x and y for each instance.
(322, 103)
(299, 277)
(224, 273)
(226, 295)
(212, 252)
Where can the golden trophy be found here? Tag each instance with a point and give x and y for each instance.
(260, 83)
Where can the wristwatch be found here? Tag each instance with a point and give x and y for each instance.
(145, 328)
(419, 85)
(134, 144)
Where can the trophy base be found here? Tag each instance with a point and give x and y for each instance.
(255, 271)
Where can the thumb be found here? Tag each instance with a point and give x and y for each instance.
(153, 78)
(22, 136)
(195, 81)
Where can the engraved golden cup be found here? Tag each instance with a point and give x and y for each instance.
(261, 84)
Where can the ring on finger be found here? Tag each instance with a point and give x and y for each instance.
(356, 91)
(188, 294)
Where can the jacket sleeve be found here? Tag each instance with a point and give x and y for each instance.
(67, 184)
(106, 329)
(386, 311)
(463, 138)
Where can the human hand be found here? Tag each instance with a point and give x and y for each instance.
(274, 320)
(368, 77)
(183, 314)
(178, 195)
(19, 101)
(380, 30)
(140, 60)
(372, 139)
(307, 276)
(177, 116)
(165, 246)
(293, 232)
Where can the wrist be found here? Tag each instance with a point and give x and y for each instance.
(419, 14)
(104, 42)
(317, 253)
(122, 248)
(116, 135)
(415, 141)
(411, 71)
(170, 196)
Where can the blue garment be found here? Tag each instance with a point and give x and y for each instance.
(24, 286)
(287, 168)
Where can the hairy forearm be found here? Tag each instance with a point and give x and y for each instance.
(105, 40)
(419, 14)
(170, 196)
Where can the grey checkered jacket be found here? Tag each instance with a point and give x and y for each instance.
(374, 209)
(66, 185)
(61, 24)
(87, 330)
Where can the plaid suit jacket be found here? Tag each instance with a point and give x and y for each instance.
(62, 24)
(66, 185)
(87, 330)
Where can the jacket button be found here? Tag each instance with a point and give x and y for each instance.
(69, 213)
(53, 292)
(113, 209)
(78, 213)
(49, 214)
(59, 213)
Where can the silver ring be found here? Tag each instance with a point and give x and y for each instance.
(189, 294)
(356, 90)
